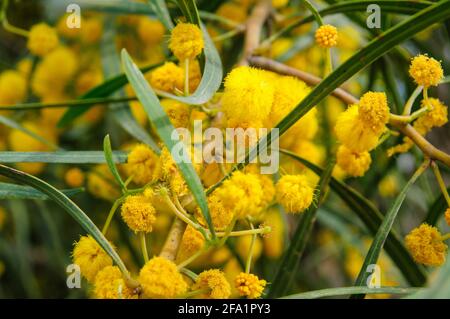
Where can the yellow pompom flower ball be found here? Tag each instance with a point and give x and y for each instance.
(138, 213)
(168, 77)
(242, 194)
(221, 214)
(326, 36)
(247, 97)
(90, 257)
(177, 112)
(13, 87)
(150, 31)
(353, 133)
(374, 111)
(191, 242)
(215, 280)
(426, 246)
(426, 71)
(74, 177)
(249, 285)
(141, 164)
(353, 163)
(109, 284)
(42, 39)
(186, 41)
(436, 117)
(294, 193)
(160, 278)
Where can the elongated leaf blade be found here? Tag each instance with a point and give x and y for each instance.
(110, 161)
(165, 129)
(66, 157)
(342, 291)
(161, 10)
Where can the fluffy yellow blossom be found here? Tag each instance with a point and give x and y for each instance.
(90, 257)
(109, 284)
(150, 31)
(25, 67)
(177, 112)
(186, 41)
(138, 213)
(64, 30)
(268, 188)
(13, 87)
(294, 193)
(249, 285)
(374, 111)
(436, 117)
(221, 214)
(215, 280)
(273, 242)
(242, 194)
(42, 39)
(160, 278)
(167, 77)
(100, 183)
(191, 242)
(53, 73)
(141, 164)
(247, 97)
(353, 163)
(426, 71)
(426, 246)
(326, 36)
(74, 177)
(447, 216)
(353, 133)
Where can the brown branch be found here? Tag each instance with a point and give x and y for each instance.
(406, 129)
(253, 28)
(280, 68)
(173, 240)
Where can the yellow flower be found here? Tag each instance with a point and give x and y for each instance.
(138, 213)
(186, 41)
(436, 117)
(91, 30)
(242, 193)
(215, 280)
(268, 189)
(141, 164)
(109, 284)
(42, 39)
(426, 246)
(177, 112)
(167, 77)
(326, 36)
(90, 257)
(160, 278)
(447, 216)
(353, 163)
(249, 285)
(221, 214)
(191, 242)
(426, 71)
(294, 193)
(274, 241)
(247, 97)
(74, 177)
(13, 87)
(353, 133)
(150, 31)
(64, 30)
(374, 111)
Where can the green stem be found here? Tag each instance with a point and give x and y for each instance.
(441, 182)
(197, 254)
(189, 273)
(314, 11)
(412, 98)
(248, 264)
(111, 214)
(143, 246)
(351, 290)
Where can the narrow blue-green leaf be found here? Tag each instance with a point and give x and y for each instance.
(66, 157)
(162, 12)
(14, 125)
(165, 130)
(343, 291)
(384, 230)
(68, 205)
(13, 191)
(110, 161)
(211, 79)
(189, 10)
